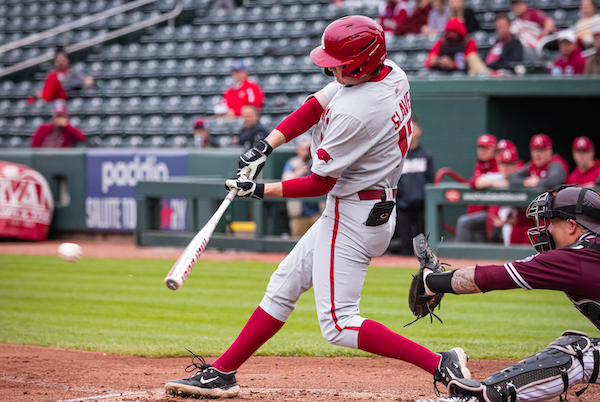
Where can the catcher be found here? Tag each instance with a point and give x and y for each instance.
(566, 236)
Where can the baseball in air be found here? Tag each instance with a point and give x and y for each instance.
(69, 252)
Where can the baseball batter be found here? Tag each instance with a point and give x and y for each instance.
(362, 134)
(567, 237)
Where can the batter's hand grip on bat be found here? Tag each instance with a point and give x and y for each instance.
(186, 261)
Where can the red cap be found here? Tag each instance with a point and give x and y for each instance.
(456, 25)
(60, 108)
(583, 143)
(200, 123)
(487, 140)
(540, 141)
(508, 155)
(504, 144)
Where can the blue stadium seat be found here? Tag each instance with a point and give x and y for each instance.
(91, 125)
(189, 86)
(170, 86)
(133, 125)
(152, 125)
(149, 69)
(184, 50)
(112, 105)
(169, 68)
(111, 125)
(189, 67)
(132, 105)
(175, 125)
(149, 87)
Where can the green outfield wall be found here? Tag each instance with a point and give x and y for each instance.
(452, 112)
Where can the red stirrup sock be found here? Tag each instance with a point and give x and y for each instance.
(259, 329)
(376, 338)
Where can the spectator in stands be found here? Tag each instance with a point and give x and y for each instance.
(589, 20)
(410, 199)
(418, 19)
(465, 14)
(485, 175)
(202, 137)
(243, 91)
(530, 25)
(545, 170)
(508, 50)
(437, 18)
(592, 62)
(570, 61)
(392, 13)
(63, 80)
(451, 52)
(587, 172)
(507, 224)
(59, 133)
(252, 131)
(302, 214)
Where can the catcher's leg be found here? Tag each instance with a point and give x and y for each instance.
(569, 360)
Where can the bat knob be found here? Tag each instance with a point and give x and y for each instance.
(172, 283)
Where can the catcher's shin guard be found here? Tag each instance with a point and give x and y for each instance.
(567, 361)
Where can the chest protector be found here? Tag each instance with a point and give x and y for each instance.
(587, 307)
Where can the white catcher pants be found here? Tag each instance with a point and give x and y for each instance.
(333, 257)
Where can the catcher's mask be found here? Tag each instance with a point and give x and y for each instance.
(580, 204)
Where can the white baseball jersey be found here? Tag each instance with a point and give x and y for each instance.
(361, 139)
(364, 134)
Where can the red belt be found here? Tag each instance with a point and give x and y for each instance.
(373, 194)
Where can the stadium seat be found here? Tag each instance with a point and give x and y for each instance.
(76, 106)
(112, 106)
(23, 89)
(184, 33)
(133, 125)
(175, 125)
(169, 68)
(203, 32)
(149, 69)
(173, 104)
(111, 126)
(132, 105)
(152, 125)
(131, 69)
(91, 125)
(148, 87)
(189, 86)
(177, 141)
(185, 50)
(189, 67)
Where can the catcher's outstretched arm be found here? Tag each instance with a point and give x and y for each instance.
(459, 281)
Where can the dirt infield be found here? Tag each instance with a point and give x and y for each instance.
(32, 373)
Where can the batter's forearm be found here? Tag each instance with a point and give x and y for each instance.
(275, 139)
(273, 190)
(463, 281)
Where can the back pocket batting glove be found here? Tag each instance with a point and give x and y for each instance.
(245, 187)
(253, 160)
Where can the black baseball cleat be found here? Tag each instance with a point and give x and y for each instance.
(452, 366)
(455, 398)
(206, 382)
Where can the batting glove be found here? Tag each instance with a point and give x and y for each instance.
(245, 187)
(253, 160)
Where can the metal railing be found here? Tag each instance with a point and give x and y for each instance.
(539, 49)
(89, 42)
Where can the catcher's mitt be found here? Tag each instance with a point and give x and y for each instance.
(419, 303)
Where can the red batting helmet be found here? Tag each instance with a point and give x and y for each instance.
(355, 42)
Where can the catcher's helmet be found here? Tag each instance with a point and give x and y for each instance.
(568, 202)
(355, 42)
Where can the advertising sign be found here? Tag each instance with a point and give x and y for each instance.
(111, 180)
(26, 203)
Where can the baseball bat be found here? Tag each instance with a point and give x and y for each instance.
(186, 261)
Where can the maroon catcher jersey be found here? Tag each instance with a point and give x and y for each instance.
(574, 270)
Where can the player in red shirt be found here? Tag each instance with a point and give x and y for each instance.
(566, 235)
(587, 172)
(530, 25)
(485, 175)
(570, 61)
(509, 221)
(545, 170)
(58, 134)
(452, 51)
(392, 13)
(243, 91)
(504, 144)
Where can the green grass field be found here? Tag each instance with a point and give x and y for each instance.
(122, 306)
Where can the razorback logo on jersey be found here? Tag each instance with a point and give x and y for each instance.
(323, 155)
